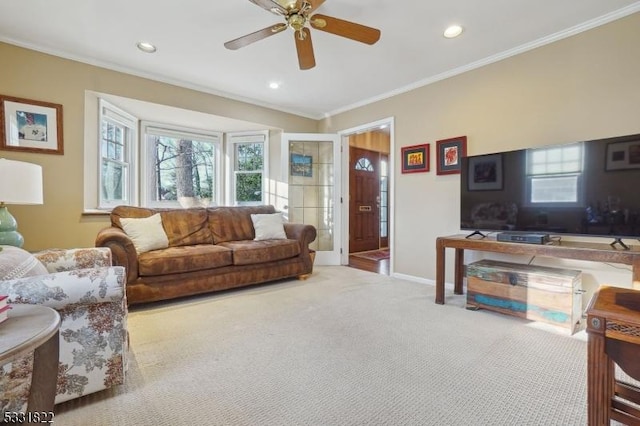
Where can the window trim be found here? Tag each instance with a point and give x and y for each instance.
(233, 138)
(108, 111)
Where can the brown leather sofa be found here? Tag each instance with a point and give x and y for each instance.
(209, 249)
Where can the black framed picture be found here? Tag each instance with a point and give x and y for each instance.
(623, 155)
(485, 173)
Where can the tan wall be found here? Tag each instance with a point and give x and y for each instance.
(583, 87)
(32, 75)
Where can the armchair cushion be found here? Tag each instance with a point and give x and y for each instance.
(18, 263)
(60, 260)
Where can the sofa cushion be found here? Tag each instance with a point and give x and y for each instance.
(251, 252)
(186, 227)
(146, 233)
(234, 223)
(174, 260)
(268, 226)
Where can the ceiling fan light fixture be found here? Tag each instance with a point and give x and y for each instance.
(146, 47)
(453, 31)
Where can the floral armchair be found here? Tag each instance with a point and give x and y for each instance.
(89, 294)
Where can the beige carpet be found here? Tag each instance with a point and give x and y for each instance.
(346, 347)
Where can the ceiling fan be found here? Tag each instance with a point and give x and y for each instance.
(296, 14)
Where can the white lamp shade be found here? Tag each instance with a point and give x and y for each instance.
(20, 182)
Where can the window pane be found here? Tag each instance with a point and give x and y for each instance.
(113, 141)
(248, 188)
(183, 168)
(113, 181)
(364, 164)
(249, 156)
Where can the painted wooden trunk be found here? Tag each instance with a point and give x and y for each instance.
(536, 293)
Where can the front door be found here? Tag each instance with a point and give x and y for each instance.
(364, 202)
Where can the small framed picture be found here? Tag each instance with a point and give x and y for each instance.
(485, 173)
(415, 158)
(30, 126)
(450, 153)
(301, 165)
(623, 155)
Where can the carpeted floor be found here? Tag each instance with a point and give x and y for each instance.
(346, 347)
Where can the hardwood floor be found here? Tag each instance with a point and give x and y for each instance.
(379, 267)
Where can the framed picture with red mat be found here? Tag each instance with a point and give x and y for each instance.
(449, 154)
(415, 158)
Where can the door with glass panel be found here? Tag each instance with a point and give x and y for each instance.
(313, 181)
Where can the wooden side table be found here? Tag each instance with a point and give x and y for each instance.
(613, 327)
(33, 328)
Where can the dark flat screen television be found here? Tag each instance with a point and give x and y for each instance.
(588, 188)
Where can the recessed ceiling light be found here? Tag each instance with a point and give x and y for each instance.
(146, 47)
(274, 85)
(453, 31)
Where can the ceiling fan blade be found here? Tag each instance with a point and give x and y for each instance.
(271, 6)
(253, 37)
(346, 29)
(306, 58)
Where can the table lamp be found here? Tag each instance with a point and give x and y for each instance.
(20, 183)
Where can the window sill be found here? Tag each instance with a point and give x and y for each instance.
(96, 212)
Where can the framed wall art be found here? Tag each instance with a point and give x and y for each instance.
(301, 165)
(31, 126)
(623, 155)
(449, 154)
(485, 173)
(415, 158)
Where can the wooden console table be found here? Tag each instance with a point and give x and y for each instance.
(33, 328)
(565, 249)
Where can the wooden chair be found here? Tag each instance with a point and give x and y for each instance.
(613, 327)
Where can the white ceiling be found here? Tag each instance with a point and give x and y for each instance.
(190, 34)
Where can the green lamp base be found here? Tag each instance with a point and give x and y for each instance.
(9, 236)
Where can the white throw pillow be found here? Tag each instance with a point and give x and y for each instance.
(17, 263)
(268, 226)
(146, 233)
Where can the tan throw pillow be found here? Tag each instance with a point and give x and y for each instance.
(147, 233)
(268, 226)
(17, 263)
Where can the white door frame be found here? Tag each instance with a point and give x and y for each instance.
(344, 135)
